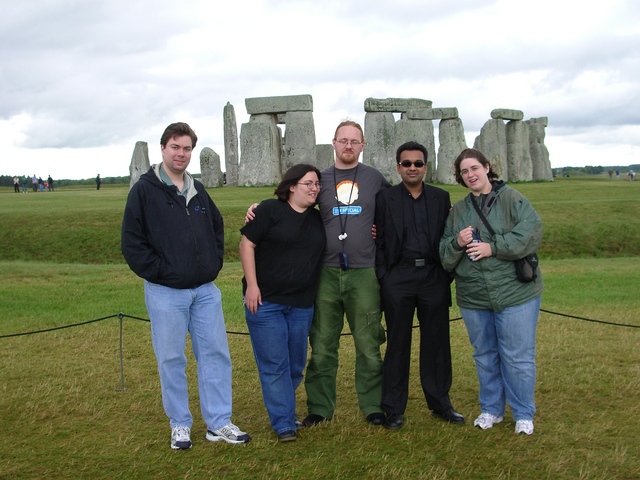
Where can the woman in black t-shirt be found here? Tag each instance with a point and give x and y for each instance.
(281, 253)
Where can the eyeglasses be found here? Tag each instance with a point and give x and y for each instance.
(473, 169)
(344, 142)
(311, 184)
(409, 163)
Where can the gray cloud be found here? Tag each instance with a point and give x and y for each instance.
(105, 73)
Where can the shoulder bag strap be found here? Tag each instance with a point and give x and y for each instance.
(481, 215)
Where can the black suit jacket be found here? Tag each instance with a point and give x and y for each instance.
(389, 221)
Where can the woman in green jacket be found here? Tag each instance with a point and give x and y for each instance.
(499, 311)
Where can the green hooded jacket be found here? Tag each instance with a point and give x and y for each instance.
(491, 283)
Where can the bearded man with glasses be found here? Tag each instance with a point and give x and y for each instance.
(410, 219)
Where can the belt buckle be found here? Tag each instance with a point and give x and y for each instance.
(420, 262)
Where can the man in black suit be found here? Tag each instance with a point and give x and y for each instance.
(410, 220)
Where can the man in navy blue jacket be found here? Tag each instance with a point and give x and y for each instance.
(173, 237)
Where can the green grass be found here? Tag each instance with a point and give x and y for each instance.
(63, 416)
(581, 218)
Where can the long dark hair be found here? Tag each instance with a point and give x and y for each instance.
(292, 177)
(478, 155)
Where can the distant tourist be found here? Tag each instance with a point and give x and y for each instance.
(25, 181)
(610, 174)
(617, 174)
(98, 182)
(16, 184)
(50, 180)
(34, 182)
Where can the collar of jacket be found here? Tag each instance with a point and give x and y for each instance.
(188, 180)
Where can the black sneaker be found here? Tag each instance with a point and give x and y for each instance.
(288, 436)
(376, 418)
(313, 419)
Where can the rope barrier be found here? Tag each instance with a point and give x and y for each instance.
(121, 316)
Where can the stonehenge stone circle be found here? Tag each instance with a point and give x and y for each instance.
(514, 147)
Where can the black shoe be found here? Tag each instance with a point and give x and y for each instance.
(376, 418)
(393, 421)
(449, 415)
(313, 419)
(288, 436)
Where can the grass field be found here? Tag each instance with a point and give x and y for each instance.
(64, 416)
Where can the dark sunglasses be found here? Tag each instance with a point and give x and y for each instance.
(408, 163)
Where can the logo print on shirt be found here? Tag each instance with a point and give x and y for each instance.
(344, 191)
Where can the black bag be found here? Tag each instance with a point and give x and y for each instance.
(527, 267)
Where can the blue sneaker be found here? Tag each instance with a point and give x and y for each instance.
(180, 438)
(229, 433)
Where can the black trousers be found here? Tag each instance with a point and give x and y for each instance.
(405, 291)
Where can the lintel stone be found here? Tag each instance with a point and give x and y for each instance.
(507, 114)
(283, 104)
(432, 113)
(397, 105)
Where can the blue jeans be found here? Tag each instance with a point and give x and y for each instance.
(504, 346)
(279, 336)
(198, 311)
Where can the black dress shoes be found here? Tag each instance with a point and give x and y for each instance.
(376, 418)
(449, 415)
(313, 419)
(393, 421)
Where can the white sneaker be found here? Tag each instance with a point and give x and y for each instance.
(524, 426)
(486, 421)
(229, 433)
(180, 438)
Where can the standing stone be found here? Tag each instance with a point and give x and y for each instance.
(541, 165)
(380, 148)
(139, 162)
(452, 142)
(230, 144)
(261, 151)
(420, 131)
(210, 168)
(518, 155)
(299, 140)
(492, 142)
(324, 156)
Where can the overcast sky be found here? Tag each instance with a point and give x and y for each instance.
(82, 81)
